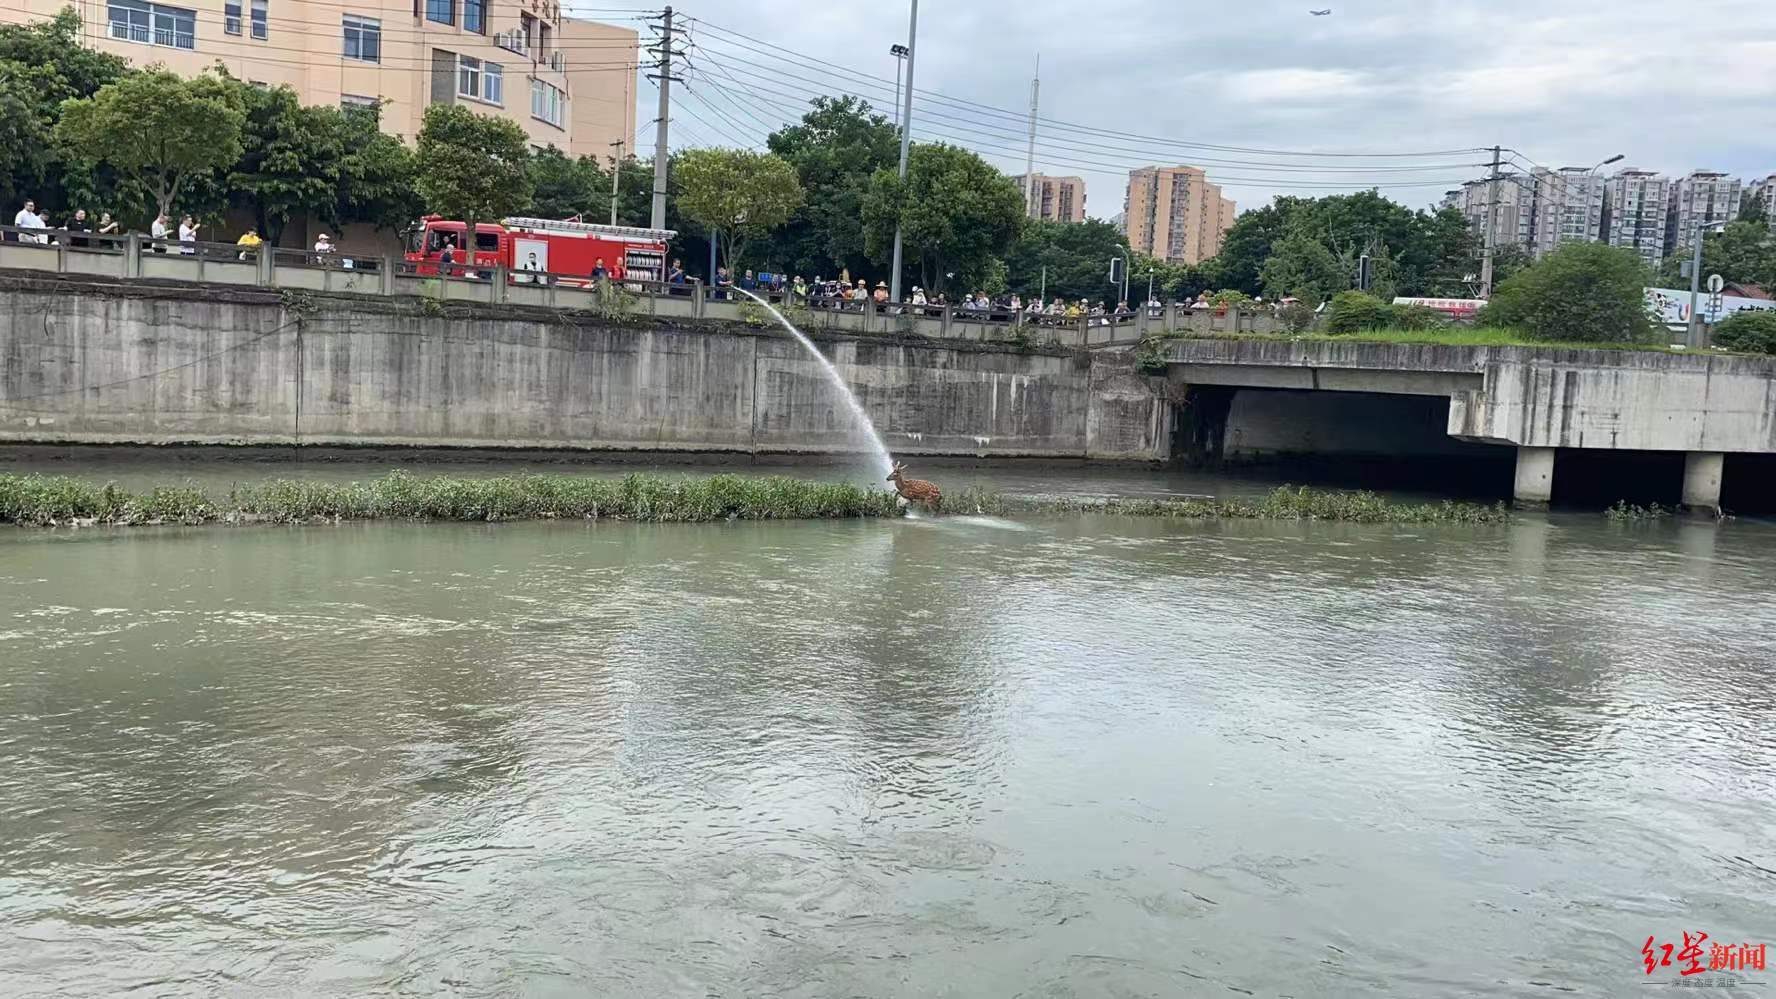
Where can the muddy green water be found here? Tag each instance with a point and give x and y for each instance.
(1062, 757)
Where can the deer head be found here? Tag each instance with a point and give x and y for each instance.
(897, 468)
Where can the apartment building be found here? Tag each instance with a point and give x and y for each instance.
(1701, 199)
(1636, 206)
(567, 83)
(1176, 214)
(1764, 189)
(1514, 219)
(1057, 199)
(1568, 207)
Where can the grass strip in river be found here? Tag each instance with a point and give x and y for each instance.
(52, 501)
(1282, 503)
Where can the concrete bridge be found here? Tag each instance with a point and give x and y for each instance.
(1538, 400)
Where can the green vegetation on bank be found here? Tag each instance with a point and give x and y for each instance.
(52, 501)
(1454, 336)
(49, 501)
(1282, 503)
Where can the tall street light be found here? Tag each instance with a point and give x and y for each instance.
(906, 135)
(899, 52)
(1693, 334)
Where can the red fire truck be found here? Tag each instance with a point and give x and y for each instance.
(566, 250)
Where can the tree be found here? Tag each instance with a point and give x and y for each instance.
(41, 65)
(1248, 244)
(958, 214)
(1355, 311)
(1303, 267)
(376, 175)
(157, 129)
(1075, 257)
(1755, 209)
(836, 150)
(290, 157)
(472, 166)
(737, 194)
(1750, 330)
(563, 186)
(1743, 252)
(1585, 292)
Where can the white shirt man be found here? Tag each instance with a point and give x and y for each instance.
(27, 218)
(188, 235)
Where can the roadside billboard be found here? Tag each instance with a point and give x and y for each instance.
(1672, 306)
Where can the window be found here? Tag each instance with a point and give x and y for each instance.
(152, 23)
(493, 83)
(260, 19)
(475, 16)
(355, 102)
(363, 38)
(468, 77)
(530, 25)
(547, 103)
(543, 38)
(231, 17)
(441, 11)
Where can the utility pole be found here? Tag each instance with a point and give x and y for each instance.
(1490, 236)
(1031, 207)
(663, 49)
(616, 172)
(906, 137)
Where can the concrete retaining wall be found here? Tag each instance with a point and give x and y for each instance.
(86, 361)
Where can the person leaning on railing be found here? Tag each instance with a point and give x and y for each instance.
(249, 244)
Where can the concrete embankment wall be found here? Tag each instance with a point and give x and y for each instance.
(82, 361)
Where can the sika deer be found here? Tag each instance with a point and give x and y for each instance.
(915, 490)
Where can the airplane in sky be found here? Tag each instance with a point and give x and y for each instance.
(1320, 13)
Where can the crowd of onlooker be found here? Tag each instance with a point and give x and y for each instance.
(79, 229)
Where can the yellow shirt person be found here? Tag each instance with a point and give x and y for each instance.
(249, 244)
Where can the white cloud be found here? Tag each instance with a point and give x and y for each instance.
(1672, 85)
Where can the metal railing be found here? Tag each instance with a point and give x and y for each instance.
(133, 256)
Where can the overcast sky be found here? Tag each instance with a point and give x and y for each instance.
(1673, 84)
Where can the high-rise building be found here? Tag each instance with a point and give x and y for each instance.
(1176, 214)
(1701, 199)
(1514, 219)
(1764, 189)
(1635, 210)
(1568, 207)
(567, 83)
(1057, 199)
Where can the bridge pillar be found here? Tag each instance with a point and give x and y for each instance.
(1535, 476)
(1702, 480)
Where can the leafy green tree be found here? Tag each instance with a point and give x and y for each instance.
(958, 214)
(1303, 267)
(1585, 292)
(737, 194)
(43, 64)
(1750, 330)
(1755, 210)
(290, 157)
(1743, 252)
(156, 128)
(376, 175)
(1354, 311)
(1075, 257)
(1248, 244)
(564, 186)
(472, 166)
(836, 150)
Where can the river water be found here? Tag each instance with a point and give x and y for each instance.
(1078, 756)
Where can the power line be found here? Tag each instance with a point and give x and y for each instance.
(801, 58)
(757, 89)
(974, 143)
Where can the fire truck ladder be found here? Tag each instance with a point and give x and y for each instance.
(620, 232)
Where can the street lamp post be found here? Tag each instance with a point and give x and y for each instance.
(1693, 333)
(899, 52)
(906, 135)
